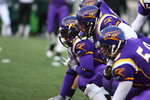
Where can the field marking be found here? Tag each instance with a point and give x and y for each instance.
(5, 60)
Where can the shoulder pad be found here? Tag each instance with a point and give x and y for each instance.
(84, 47)
(108, 19)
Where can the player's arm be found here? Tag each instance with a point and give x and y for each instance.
(125, 83)
(129, 32)
(138, 22)
(108, 20)
(122, 90)
(141, 17)
(123, 71)
(84, 51)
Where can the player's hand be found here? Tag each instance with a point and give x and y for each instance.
(64, 61)
(108, 70)
(69, 63)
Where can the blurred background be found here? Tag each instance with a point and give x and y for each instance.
(127, 9)
(26, 72)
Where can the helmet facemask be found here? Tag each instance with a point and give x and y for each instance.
(110, 51)
(88, 28)
(67, 35)
(88, 18)
(112, 40)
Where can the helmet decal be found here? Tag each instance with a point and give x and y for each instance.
(112, 35)
(69, 22)
(88, 12)
(88, 3)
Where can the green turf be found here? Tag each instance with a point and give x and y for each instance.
(29, 75)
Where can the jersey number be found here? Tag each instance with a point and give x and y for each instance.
(139, 51)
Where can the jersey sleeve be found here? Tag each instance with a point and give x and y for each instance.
(107, 20)
(84, 47)
(143, 8)
(124, 73)
(85, 52)
(86, 68)
(124, 70)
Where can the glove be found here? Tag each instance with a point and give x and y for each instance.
(108, 70)
(64, 61)
(71, 63)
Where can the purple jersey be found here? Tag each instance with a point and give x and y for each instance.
(91, 65)
(96, 79)
(105, 9)
(144, 7)
(56, 11)
(107, 17)
(88, 56)
(133, 63)
(58, 2)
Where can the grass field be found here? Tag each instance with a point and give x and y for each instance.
(29, 74)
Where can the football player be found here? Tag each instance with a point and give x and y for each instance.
(143, 12)
(67, 89)
(57, 10)
(130, 65)
(93, 19)
(90, 63)
(5, 19)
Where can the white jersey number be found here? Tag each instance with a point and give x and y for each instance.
(139, 51)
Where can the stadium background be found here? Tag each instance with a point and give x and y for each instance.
(42, 7)
(25, 71)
